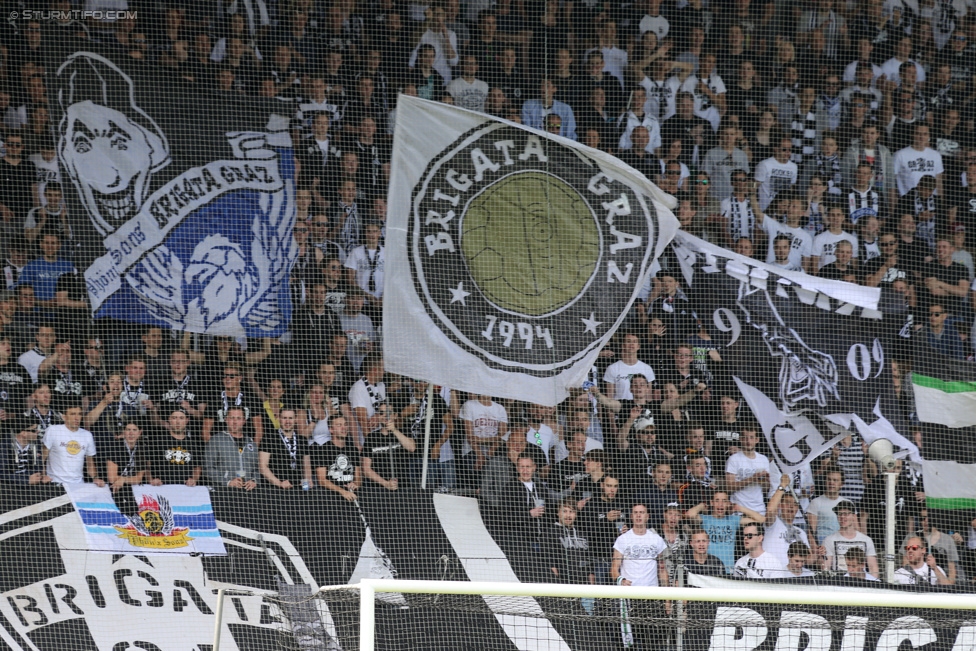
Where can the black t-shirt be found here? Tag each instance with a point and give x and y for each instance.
(16, 182)
(66, 388)
(219, 403)
(950, 275)
(898, 272)
(340, 463)
(563, 474)
(286, 458)
(389, 458)
(168, 393)
(129, 461)
(722, 435)
(15, 384)
(173, 460)
(72, 322)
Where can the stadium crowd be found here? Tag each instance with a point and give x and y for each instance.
(824, 137)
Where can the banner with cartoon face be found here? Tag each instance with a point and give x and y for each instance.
(191, 195)
(513, 255)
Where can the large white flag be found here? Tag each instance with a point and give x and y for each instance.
(512, 254)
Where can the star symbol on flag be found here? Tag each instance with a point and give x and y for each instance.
(591, 324)
(459, 294)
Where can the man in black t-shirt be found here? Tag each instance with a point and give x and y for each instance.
(385, 455)
(337, 464)
(945, 280)
(887, 267)
(233, 394)
(14, 381)
(281, 462)
(179, 389)
(565, 476)
(176, 455)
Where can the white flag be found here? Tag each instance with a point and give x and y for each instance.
(513, 255)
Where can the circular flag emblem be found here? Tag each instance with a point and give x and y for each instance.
(524, 250)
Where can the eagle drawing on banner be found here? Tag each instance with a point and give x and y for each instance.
(208, 250)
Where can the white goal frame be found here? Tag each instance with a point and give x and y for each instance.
(760, 594)
(368, 588)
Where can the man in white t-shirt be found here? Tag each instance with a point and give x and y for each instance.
(757, 563)
(912, 163)
(747, 473)
(69, 450)
(366, 265)
(801, 242)
(821, 518)
(485, 425)
(920, 566)
(836, 545)
(825, 244)
(780, 531)
(365, 396)
(467, 90)
(618, 374)
(636, 561)
(776, 174)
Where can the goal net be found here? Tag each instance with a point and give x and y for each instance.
(449, 615)
(300, 293)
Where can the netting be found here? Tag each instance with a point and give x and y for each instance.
(301, 292)
(330, 619)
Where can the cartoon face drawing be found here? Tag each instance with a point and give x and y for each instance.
(108, 145)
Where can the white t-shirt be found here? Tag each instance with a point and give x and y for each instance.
(906, 575)
(629, 121)
(823, 508)
(619, 374)
(742, 467)
(639, 565)
(468, 95)
(779, 536)
(364, 263)
(910, 165)
(360, 396)
(825, 246)
(45, 171)
(661, 97)
(764, 566)
(485, 420)
(837, 545)
(657, 24)
(801, 242)
(66, 453)
(774, 177)
(890, 69)
(32, 360)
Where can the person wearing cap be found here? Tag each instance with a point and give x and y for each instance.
(919, 566)
(21, 457)
(848, 537)
(747, 472)
(780, 532)
(638, 459)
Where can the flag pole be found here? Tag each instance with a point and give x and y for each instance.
(428, 416)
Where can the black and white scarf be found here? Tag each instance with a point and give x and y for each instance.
(291, 444)
(829, 168)
(866, 205)
(876, 165)
(804, 135)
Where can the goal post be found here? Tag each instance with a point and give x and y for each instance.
(371, 589)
